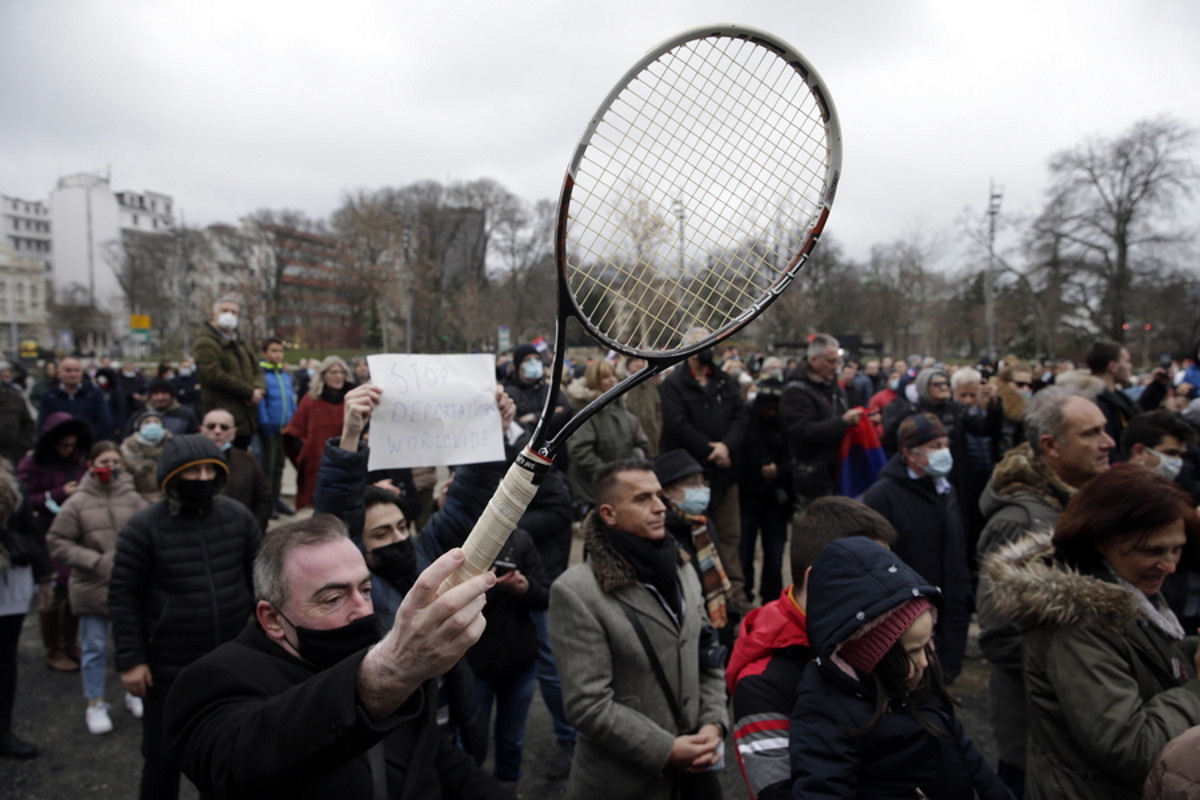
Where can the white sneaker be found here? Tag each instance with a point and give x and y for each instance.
(134, 705)
(98, 720)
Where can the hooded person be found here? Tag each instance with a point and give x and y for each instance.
(142, 447)
(181, 585)
(872, 718)
(49, 475)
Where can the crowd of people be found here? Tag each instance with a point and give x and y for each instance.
(747, 577)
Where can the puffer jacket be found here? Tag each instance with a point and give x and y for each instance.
(181, 582)
(1176, 773)
(1023, 495)
(1106, 688)
(764, 670)
(84, 537)
(854, 582)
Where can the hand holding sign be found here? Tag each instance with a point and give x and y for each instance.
(434, 410)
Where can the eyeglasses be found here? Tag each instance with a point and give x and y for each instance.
(217, 426)
(938, 384)
(1021, 384)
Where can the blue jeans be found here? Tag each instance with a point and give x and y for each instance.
(512, 697)
(548, 680)
(93, 643)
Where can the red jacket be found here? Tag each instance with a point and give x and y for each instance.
(763, 673)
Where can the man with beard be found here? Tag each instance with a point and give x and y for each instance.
(310, 701)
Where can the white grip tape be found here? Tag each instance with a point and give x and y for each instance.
(500, 516)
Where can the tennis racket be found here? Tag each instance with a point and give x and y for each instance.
(694, 196)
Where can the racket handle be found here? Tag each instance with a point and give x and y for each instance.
(500, 516)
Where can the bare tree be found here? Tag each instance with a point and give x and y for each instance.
(1111, 205)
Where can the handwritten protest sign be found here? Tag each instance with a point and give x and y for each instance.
(437, 410)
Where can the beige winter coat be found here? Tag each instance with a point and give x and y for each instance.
(84, 537)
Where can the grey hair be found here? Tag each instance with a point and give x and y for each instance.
(820, 345)
(317, 385)
(278, 544)
(226, 298)
(965, 377)
(1044, 415)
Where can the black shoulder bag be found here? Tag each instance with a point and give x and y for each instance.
(684, 785)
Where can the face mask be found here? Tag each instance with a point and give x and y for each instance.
(940, 463)
(185, 371)
(128, 373)
(532, 369)
(910, 393)
(324, 648)
(1168, 466)
(195, 493)
(227, 321)
(106, 475)
(151, 432)
(695, 499)
(396, 563)
(1026, 393)
(226, 446)
(894, 384)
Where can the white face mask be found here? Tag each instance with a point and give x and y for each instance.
(1168, 466)
(227, 321)
(940, 462)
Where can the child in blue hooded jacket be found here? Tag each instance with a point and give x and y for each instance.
(872, 717)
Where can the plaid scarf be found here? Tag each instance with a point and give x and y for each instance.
(713, 580)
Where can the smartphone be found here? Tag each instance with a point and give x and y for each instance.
(503, 567)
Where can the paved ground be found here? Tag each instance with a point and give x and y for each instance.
(75, 763)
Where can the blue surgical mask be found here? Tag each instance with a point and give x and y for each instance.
(532, 369)
(151, 432)
(225, 447)
(695, 499)
(940, 463)
(1168, 466)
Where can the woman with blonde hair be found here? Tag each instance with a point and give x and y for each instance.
(318, 418)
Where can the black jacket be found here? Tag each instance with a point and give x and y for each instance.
(694, 415)
(249, 720)
(932, 542)
(853, 582)
(181, 582)
(810, 414)
(510, 642)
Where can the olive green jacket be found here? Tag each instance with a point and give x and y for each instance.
(1106, 689)
(229, 374)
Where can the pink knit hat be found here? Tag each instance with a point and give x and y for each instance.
(869, 643)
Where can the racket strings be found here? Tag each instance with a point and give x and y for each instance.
(680, 201)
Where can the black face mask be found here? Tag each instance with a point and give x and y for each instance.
(705, 357)
(396, 563)
(194, 494)
(324, 648)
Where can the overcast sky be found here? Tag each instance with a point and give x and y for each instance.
(231, 106)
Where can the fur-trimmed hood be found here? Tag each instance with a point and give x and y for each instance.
(1081, 382)
(1031, 588)
(1020, 471)
(1011, 402)
(612, 571)
(579, 394)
